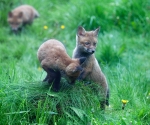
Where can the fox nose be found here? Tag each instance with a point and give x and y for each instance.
(90, 51)
(93, 51)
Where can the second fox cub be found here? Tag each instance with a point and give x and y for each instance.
(20, 16)
(86, 42)
(55, 60)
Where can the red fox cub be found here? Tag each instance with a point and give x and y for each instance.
(55, 61)
(86, 42)
(20, 16)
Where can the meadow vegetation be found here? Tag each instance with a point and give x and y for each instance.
(123, 53)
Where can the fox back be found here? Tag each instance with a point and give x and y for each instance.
(52, 55)
(20, 16)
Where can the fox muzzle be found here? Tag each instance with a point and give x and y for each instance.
(90, 51)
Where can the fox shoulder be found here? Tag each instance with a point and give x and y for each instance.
(33, 10)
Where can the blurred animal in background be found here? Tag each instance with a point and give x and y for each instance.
(86, 42)
(20, 16)
(56, 62)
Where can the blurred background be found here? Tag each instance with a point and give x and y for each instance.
(122, 52)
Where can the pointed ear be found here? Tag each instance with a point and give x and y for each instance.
(81, 31)
(10, 14)
(97, 31)
(78, 68)
(82, 60)
(20, 15)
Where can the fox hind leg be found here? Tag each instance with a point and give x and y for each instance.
(56, 83)
(51, 75)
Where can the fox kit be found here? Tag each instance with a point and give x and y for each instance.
(20, 16)
(86, 42)
(55, 60)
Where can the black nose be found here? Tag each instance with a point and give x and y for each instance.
(93, 51)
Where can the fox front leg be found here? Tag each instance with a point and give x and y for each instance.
(84, 74)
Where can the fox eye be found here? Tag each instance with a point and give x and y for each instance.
(94, 44)
(87, 43)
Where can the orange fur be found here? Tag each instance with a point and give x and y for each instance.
(22, 15)
(86, 42)
(54, 60)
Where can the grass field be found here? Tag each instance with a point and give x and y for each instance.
(123, 52)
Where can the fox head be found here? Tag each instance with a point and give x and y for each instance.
(86, 40)
(73, 69)
(15, 20)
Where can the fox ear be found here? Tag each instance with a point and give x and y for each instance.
(20, 15)
(81, 31)
(96, 31)
(10, 14)
(82, 60)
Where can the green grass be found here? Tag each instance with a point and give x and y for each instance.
(122, 52)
